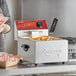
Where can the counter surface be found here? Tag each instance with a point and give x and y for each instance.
(23, 69)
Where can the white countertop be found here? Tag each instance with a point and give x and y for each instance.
(23, 69)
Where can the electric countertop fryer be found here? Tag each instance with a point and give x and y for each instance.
(39, 51)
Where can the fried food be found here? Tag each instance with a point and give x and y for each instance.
(56, 38)
(4, 28)
(9, 60)
(43, 38)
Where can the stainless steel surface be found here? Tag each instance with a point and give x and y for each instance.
(44, 51)
(23, 69)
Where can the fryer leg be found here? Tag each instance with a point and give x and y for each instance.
(63, 62)
(36, 64)
(32, 75)
(36, 75)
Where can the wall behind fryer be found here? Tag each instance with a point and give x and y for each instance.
(64, 10)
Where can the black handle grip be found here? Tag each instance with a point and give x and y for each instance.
(54, 25)
(25, 47)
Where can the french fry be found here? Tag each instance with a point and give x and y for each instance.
(43, 38)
